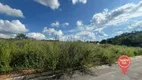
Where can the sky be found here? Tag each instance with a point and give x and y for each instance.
(66, 20)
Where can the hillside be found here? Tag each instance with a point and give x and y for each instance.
(129, 39)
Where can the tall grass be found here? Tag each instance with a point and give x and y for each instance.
(18, 55)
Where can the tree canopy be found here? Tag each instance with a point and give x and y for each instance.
(21, 36)
(129, 39)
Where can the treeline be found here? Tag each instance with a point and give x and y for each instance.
(17, 55)
(128, 39)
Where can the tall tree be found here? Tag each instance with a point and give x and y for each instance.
(21, 36)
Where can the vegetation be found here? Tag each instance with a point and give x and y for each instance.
(17, 55)
(21, 36)
(129, 39)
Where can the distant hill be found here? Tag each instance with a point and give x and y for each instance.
(129, 39)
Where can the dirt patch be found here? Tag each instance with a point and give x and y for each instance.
(20, 73)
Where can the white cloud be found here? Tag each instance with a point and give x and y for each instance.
(84, 36)
(7, 35)
(52, 33)
(107, 18)
(135, 25)
(81, 26)
(51, 39)
(87, 35)
(12, 27)
(119, 32)
(65, 24)
(79, 1)
(4, 36)
(118, 15)
(79, 23)
(100, 21)
(38, 36)
(53, 4)
(88, 32)
(101, 33)
(9, 29)
(56, 24)
(5, 9)
(71, 37)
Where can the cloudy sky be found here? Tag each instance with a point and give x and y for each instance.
(89, 20)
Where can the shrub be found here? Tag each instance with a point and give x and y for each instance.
(54, 55)
(5, 58)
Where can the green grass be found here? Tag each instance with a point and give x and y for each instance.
(16, 55)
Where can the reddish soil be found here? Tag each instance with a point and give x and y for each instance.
(16, 74)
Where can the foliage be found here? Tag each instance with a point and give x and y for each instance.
(128, 39)
(21, 36)
(18, 55)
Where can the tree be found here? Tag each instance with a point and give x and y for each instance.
(128, 39)
(21, 36)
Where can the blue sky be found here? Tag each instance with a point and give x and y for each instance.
(88, 20)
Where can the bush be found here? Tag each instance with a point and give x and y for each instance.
(53, 55)
(5, 58)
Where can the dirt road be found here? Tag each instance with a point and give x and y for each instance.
(113, 73)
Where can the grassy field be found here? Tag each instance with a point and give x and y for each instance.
(16, 55)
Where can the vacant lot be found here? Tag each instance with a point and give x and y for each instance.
(18, 55)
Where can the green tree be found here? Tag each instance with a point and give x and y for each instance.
(128, 39)
(21, 36)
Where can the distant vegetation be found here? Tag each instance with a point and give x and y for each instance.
(17, 55)
(21, 36)
(129, 39)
